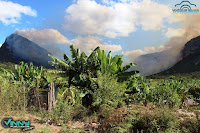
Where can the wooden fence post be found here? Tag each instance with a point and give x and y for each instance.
(51, 96)
(24, 97)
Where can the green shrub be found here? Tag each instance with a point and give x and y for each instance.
(109, 91)
(25, 80)
(195, 92)
(138, 119)
(11, 95)
(79, 112)
(106, 110)
(166, 92)
(190, 125)
(158, 120)
(62, 111)
(111, 118)
(81, 66)
(29, 75)
(137, 90)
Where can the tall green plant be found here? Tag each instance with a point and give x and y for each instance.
(113, 65)
(81, 67)
(109, 91)
(82, 70)
(29, 75)
(11, 95)
(137, 89)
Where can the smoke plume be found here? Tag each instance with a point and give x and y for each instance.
(21, 49)
(172, 50)
(49, 39)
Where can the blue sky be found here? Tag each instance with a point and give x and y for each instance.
(129, 27)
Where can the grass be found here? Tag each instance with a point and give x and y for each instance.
(181, 76)
(7, 65)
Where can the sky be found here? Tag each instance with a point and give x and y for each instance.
(128, 27)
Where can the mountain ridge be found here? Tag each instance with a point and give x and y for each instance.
(17, 48)
(184, 59)
(190, 58)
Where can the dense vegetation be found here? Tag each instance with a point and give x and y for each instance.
(98, 90)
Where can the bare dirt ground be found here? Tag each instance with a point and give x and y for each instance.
(90, 126)
(35, 121)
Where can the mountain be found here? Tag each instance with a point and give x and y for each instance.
(17, 48)
(190, 58)
(175, 60)
(152, 63)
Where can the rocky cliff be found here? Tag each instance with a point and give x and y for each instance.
(192, 47)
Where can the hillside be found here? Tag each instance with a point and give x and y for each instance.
(17, 48)
(190, 60)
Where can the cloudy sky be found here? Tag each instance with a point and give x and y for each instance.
(128, 27)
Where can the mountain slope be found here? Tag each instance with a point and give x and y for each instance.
(156, 62)
(182, 60)
(17, 48)
(190, 58)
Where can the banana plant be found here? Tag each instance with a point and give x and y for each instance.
(82, 69)
(113, 65)
(73, 95)
(29, 75)
(78, 67)
(81, 65)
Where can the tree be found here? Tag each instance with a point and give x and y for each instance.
(83, 67)
(80, 68)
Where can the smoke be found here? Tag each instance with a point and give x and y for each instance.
(49, 39)
(172, 50)
(22, 49)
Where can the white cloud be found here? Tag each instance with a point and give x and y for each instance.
(43, 36)
(11, 12)
(50, 38)
(174, 32)
(115, 18)
(91, 42)
(151, 14)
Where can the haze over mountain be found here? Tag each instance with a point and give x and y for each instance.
(168, 61)
(17, 48)
(190, 58)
